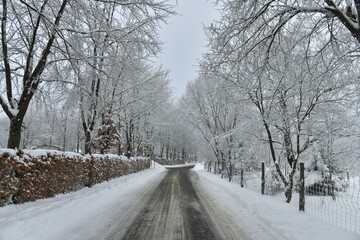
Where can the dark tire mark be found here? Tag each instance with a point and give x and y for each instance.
(173, 211)
(197, 221)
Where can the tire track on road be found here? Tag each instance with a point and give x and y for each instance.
(173, 211)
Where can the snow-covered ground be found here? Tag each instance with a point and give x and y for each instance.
(76, 215)
(187, 165)
(239, 202)
(342, 211)
(89, 211)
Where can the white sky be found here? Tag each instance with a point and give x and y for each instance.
(185, 41)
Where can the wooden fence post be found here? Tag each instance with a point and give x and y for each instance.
(242, 177)
(263, 178)
(302, 188)
(222, 168)
(230, 172)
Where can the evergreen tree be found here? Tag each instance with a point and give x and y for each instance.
(108, 134)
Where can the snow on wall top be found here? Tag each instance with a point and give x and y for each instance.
(36, 153)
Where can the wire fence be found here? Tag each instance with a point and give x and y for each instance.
(332, 201)
(339, 206)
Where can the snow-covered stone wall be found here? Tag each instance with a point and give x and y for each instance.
(28, 175)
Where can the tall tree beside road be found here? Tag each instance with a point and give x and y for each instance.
(325, 24)
(210, 106)
(28, 32)
(115, 38)
(37, 34)
(291, 58)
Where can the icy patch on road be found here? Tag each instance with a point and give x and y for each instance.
(76, 215)
(248, 208)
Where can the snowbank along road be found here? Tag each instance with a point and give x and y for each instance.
(163, 204)
(175, 210)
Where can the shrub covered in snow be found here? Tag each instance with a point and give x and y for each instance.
(319, 180)
(30, 175)
(273, 181)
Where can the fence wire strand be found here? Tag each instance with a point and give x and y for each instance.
(332, 200)
(339, 207)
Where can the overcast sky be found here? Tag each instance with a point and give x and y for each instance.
(185, 41)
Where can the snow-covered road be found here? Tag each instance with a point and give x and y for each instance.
(173, 211)
(112, 207)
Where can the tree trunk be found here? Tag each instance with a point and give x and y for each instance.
(128, 144)
(288, 192)
(87, 142)
(167, 150)
(162, 150)
(64, 136)
(242, 177)
(289, 188)
(15, 132)
(78, 142)
(222, 168)
(230, 172)
(273, 155)
(119, 150)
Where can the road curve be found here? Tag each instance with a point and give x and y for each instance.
(174, 210)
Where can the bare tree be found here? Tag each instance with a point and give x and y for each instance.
(211, 108)
(140, 97)
(28, 32)
(247, 24)
(287, 87)
(102, 40)
(38, 33)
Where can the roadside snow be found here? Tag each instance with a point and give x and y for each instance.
(198, 167)
(179, 166)
(75, 215)
(247, 208)
(90, 212)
